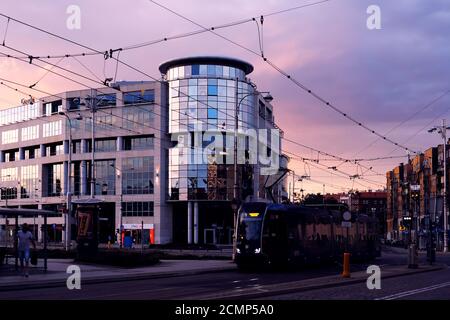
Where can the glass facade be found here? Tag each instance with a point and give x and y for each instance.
(137, 209)
(137, 97)
(138, 143)
(105, 145)
(137, 175)
(105, 178)
(55, 179)
(135, 117)
(29, 181)
(206, 94)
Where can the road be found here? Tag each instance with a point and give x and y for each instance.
(430, 285)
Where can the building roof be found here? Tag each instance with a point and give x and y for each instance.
(212, 60)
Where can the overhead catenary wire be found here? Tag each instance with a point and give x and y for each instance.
(117, 60)
(324, 101)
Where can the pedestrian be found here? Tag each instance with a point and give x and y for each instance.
(25, 237)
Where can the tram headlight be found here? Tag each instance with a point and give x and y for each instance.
(258, 250)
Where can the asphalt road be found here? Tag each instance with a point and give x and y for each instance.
(187, 287)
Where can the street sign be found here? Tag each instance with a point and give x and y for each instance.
(346, 224)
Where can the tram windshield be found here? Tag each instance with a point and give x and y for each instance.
(250, 222)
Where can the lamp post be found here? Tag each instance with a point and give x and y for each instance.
(121, 201)
(69, 182)
(442, 130)
(236, 198)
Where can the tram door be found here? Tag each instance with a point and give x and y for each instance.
(275, 240)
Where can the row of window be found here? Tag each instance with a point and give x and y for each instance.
(138, 209)
(110, 99)
(101, 145)
(204, 70)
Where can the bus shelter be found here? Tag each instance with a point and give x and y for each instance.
(14, 213)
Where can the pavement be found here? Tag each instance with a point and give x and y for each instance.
(220, 279)
(56, 273)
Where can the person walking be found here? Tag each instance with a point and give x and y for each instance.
(25, 238)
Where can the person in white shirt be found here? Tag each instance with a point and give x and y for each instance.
(25, 238)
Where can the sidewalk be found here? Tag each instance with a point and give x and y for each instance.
(314, 283)
(56, 275)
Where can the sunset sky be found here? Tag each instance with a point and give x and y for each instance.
(380, 77)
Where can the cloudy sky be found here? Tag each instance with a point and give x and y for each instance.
(384, 78)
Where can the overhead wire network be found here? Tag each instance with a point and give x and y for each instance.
(121, 62)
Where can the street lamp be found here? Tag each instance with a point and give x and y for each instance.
(121, 202)
(235, 201)
(69, 182)
(442, 130)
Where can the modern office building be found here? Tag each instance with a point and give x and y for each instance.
(147, 171)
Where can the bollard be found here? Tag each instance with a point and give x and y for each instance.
(346, 265)
(412, 257)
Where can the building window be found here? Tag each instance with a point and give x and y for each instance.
(22, 113)
(137, 209)
(12, 155)
(212, 113)
(105, 145)
(52, 107)
(138, 143)
(136, 97)
(55, 179)
(32, 153)
(29, 181)
(195, 70)
(74, 103)
(212, 90)
(137, 118)
(76, 147)
(10, 136)
(105, 177)
(54, 149)
(9, 174)
(106, 100)
(51, 129)
(137, 175)
(76, 178)
(30, 133)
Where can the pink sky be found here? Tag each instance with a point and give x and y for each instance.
(380, 77)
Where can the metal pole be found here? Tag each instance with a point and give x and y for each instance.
(236, 127)
(444, 136)
(93, 107)
(69, 182)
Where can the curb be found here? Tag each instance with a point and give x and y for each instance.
(346, 282)
(109, 279)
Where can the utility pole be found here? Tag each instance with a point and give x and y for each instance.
(236, 128)
(442, 130)
(93, 105)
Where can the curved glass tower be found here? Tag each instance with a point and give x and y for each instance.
(203, 95)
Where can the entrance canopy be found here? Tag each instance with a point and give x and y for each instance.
(15, 213)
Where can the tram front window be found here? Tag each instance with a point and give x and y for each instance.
(250, 230)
